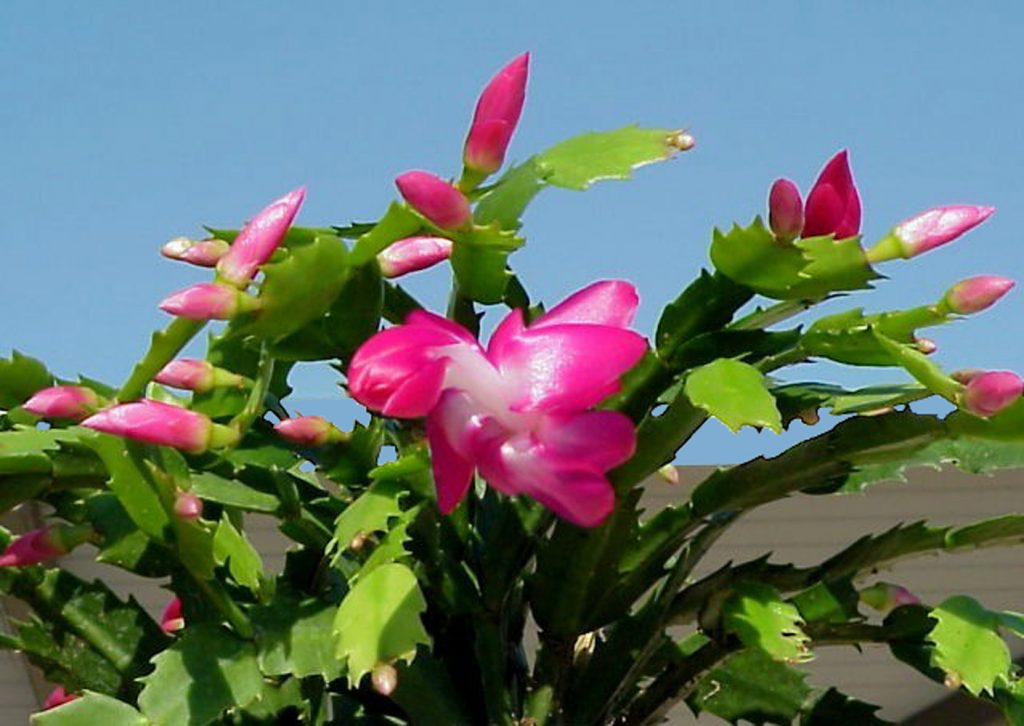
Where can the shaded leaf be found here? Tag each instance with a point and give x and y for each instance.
(232, 547)
(751, 686)
(291, 638)
(833, 707)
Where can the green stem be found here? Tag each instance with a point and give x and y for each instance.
(164, 346)
(255, 403)
(462, 311)
(772, 314)
(554, 660)
(214, 591)
(489, 646)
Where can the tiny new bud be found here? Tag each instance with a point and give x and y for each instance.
(188, 506)
(358, 541)
(259, 238)
(932, 228)
(44, 544)
(202, 253)
(435, 199)
(988, 393)
(966, 375)
(833, 204)
(412, 254)
(163, 424)
(494, 121)
(73, 402)
(682, 140)
(669, 474)
(196, 375)
(309, 431)
(976, 293)
(926, 345)
(172, 620)
(384, 678)
(58, 697)
(885, 597)
(785, 210)
(209, 301)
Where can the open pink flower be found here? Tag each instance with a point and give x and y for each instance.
(516, 412)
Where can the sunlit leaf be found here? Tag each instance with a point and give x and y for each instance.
(735, 393)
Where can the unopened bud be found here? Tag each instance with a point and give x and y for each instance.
(172, 620)
(209, 301)
(928, 230)
(785, 210)
(885, 597)
(259, 239)
(682, 140)
(309, 431)
(196, 375)
(497, 113)
(926, 345)
(58, 697)
(163, 424)
(412, 254)
(976, 294)
(202, 253)
(71, 402)
(435, 199)
(986, 394)
(966, 375)
(384, 678)
(188, 506)
(669, 474)
(358, 541)
(45, 543)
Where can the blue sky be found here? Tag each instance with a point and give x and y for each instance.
(124, 124)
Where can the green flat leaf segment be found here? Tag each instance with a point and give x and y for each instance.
(20, 377)
(759, 616)
(291, 639)
(967, 645)
(751, 686)
(735, 393)
(370, 512)
(230, 546)
(580, 161)
(91, 708)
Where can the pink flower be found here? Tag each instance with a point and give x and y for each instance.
(73, 402)
(172, 620)
(209, 301)
(986, 394)
(412, 254)
(259, 238)
(785, 210)
(976, 293)
(497, 113)
(516, 412)
(934, 227)
(833, 204)
(34, 547)
(309, 431)
(187, 506)
(163, 424)
(58, 697)
(202, 253)
(196, 375)
(435, 199)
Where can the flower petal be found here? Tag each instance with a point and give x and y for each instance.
(419, 392)
(599, 440)
(607, 302)
(449, 433)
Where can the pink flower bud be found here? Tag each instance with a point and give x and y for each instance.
(58, 697)
(73, 402)
(412, 254)
(934, 227)
(259, 238)
(986, 394)
(163, 424)
(976, 293)
(202, 253)
(43, 544)
(172, 620)
(966, 375)
(435, 199)
(384, 678)
(188, 506)
(886, 597)
(209, 301)
(497, 113)
(196, 375)
(833, 205)
(309, 431)
(785, 210)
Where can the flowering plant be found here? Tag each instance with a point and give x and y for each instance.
(497, 483)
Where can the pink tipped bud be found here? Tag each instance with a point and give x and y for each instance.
(309, 431)
(196, 375)
(202, 253)
(785, 210)
(833, 204)
(172, 620)
(163, 424)
(384, 678)
(886, 597)
(435, 199)
(928, 230)
(412, 254)
(259, 238)
(209, 301)
(188, 506)
(497, 113)
(976, 293)
(58, 697)
(986, 394)
(669, 474)
(926, 345)
(43, 544)
(73, 402)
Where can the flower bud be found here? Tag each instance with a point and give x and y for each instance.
(986, 394)
(162, 424)
(209, 301)
(44, 544)
(885, 597)
(976, 294)
(384, 678)
(196, 375)
(926, 345)
(966, 375)
(188, 506)
(58, 697)
(258, 239)
(73, 402)
(435, 199)
(172, 620)
(202, 253)
(309, 431)
(497, 113)
(928, 230)
(833, 204)
(669, 474)
(412, 254)
(785, 210)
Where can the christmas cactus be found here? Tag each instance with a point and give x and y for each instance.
(474, 552)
